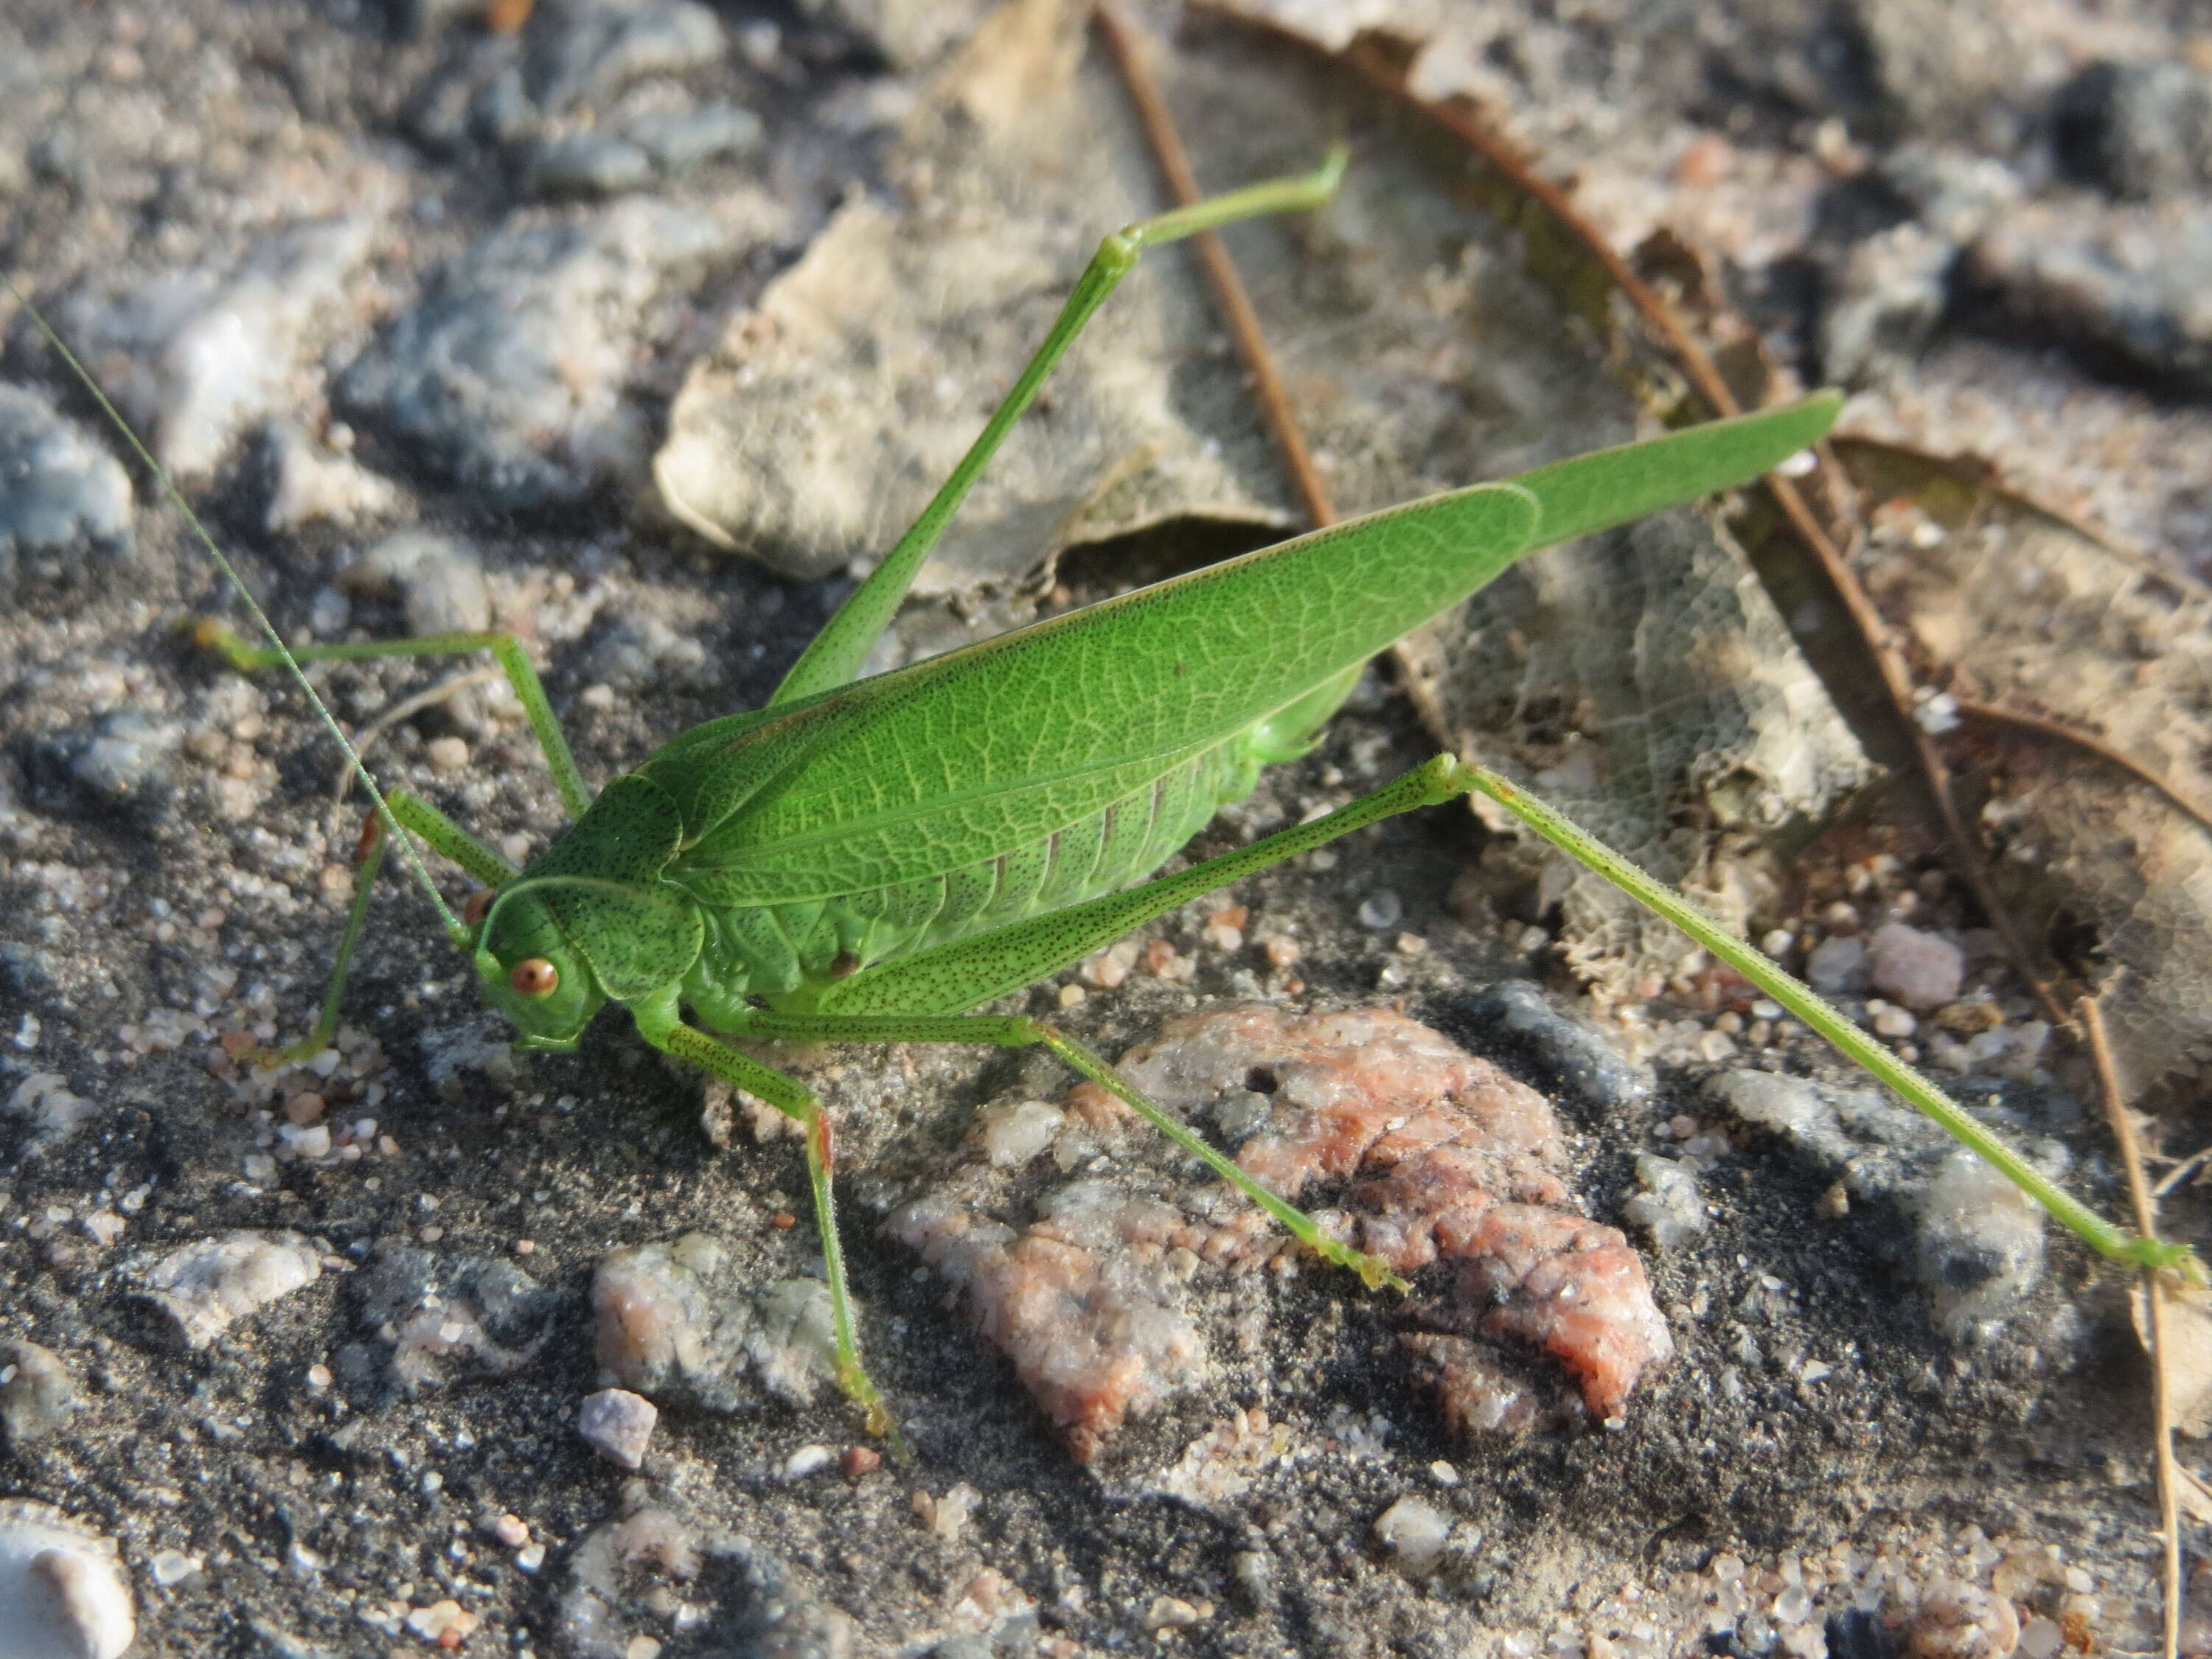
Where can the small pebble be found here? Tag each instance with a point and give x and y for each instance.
(619, 1424)
(1381, 909)
(37, 1395)
(860, 1459)
(172, 1567)
(1170, 1613)
(1836, 964)
(511, 1530)
(1415, 1530)
(61, 1590)
(947, 1517)
(1920, 969)
(807, 1460)
(441, 1618)
(1957, 1620)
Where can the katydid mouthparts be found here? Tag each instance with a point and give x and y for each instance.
(870, 859)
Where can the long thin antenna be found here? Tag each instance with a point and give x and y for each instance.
(454, 930)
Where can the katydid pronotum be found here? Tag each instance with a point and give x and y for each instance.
(871, 860)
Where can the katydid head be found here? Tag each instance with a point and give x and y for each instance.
(531, 974)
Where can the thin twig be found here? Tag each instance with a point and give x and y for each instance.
(1122, 40)
(406, 708)
(2161, 1408)
(2043, 726)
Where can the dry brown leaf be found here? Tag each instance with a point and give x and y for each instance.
(2027, 609)
(833, 411)
(2185, 1352)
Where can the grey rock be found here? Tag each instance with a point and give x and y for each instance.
(1571, 1056)
(439, 580)
(121, 763)
(199, 356)
(203, 1287)
(677, 139)
(452, 1318)
(66, 506)
(1945, 68)
(679, 1322)
(587, 164)
(1884, 303)
(604, 1568)
(508, 376)
(38, 1397)
(630, 154)
(1976, 1242)
(55, 1112)
(1837, 964)
(575, 50)
(2124, 285)
(623, 1566)
(1951, 191)
(1669, 1205)
(2137, 129)
(1413, 1530)
(1883, 65)
(307, 483)
(1981, 1244)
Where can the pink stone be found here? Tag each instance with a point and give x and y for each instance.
(1919, 970)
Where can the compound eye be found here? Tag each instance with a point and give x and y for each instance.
(478, 906)
(534, 976)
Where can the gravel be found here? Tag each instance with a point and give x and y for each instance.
(510, 376)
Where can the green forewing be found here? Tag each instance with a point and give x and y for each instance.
(961, 757)
(1003, 742)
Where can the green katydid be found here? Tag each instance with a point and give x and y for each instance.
(869, 860)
